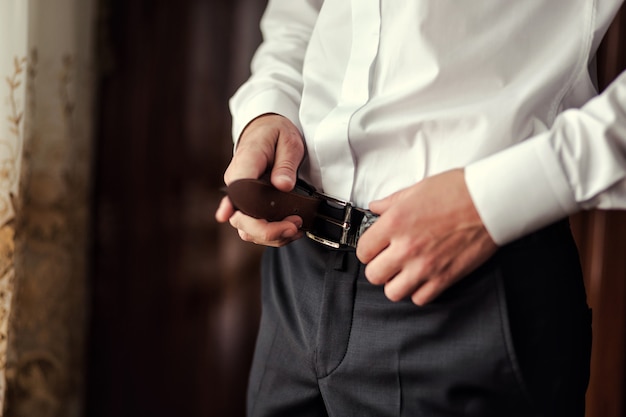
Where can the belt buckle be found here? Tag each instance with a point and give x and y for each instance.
(330, 243)
(345, 226)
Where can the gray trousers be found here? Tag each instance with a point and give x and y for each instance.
(511, 339)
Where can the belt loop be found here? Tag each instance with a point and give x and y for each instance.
(339, 261)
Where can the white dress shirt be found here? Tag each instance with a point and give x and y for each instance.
(389, 92)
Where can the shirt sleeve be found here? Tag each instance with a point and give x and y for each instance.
(275, 85)
(580, 163)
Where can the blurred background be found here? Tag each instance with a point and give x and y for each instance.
(120, 295)
(175, 296)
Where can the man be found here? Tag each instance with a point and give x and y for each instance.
(471, 129)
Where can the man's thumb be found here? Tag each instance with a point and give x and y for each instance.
(283, 178)
(289, 154)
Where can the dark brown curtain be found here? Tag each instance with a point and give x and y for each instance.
(175, 296)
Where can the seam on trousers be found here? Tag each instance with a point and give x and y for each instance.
(345, 352)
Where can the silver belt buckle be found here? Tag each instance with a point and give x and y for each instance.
(323, 241)
(345, 225)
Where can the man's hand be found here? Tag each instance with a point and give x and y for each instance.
(428, 236)
(268, 142)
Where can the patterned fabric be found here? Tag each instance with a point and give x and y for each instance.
(13, 87)
(45, 145)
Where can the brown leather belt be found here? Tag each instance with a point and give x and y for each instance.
(325, 219)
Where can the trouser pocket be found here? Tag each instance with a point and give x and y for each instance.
(549, 322)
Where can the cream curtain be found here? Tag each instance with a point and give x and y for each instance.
(13, 51)
(46, 88)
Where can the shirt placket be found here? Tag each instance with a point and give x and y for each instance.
(334, 133)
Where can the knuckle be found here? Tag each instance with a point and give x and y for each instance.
(404, 251)
(394, 222)
(446, 279)
(264, 237)
(293, 140)
(286, 165)
(428, 264)
(412, 247)
(396, 219)
(244, 236)
(261, 144)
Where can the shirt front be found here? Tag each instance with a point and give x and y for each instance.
(387, 93)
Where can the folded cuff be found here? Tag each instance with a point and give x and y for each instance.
(520, 190)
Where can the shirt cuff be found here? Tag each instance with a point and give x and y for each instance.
(520, 190)
(264, 102)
